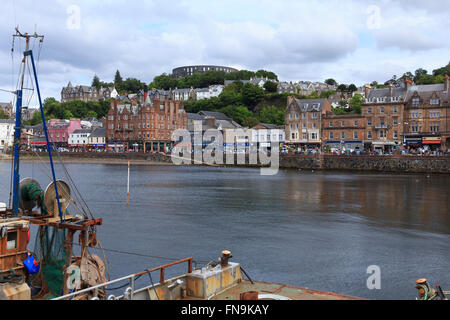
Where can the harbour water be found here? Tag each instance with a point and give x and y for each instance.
(320, 230)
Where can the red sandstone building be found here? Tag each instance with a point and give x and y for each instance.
(143, 127)
(344, 132)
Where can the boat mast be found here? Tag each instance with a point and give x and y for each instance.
(18, 123)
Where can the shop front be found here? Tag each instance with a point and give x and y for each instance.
(431, 143)
(344, 145)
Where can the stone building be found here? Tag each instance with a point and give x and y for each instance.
(144, 127)
(344, 132)
(86, 93)
(384, 110)
(427, 116)
(303, 121)
(186, 71)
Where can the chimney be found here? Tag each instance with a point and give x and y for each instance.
(390, 89)
(446, 82)
(210, 121)
(367, 90)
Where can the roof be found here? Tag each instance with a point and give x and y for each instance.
(426, 90)
(81, 131)
(194, 116)
(309, 105)
(268, 125)
(384, 92)
(217, 115)
(99, 132)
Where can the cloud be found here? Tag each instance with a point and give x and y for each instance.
(298, 40)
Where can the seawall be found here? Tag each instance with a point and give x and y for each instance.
(395, 164)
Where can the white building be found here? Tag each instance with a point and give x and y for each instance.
(6, 133)
(211, 91)
(79, 138)
(264, 134)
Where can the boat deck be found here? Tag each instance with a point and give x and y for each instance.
(288, 291)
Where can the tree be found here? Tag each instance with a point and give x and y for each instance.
(272, 115)
(266, 74)
(270, 86)
(3, 115)
(96, 82)
(251, 95)
(342, 88)
(118, 80)
(355, 103)
(331, 82)
(352, 88)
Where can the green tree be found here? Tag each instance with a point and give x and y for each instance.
(355, 103)
(342, 88)
(250, 122)
(3, 115)
(352, 88)
(91, 114)
(118, 80)
(266, 74)
(272, 114)
(251, 95)
(270, 86)
(331, 82)
(96, 82)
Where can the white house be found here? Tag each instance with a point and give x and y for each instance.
(79, 138)
(211, 91)
(6, 133)
(263, 134)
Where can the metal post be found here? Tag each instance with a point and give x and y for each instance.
(16, 154)
(30, 53)
(128, 184)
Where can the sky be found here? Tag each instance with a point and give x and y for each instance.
(351, 41)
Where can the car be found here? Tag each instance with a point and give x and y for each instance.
(63, 149)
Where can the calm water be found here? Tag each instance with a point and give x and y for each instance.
(319, 230)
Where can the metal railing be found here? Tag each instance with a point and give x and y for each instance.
(131, 278)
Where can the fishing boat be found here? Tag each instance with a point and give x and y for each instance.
(52, 270)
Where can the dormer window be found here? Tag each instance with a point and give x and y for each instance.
(415, 102)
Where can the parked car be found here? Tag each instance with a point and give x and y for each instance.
(63, 149)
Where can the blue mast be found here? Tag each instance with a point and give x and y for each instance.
(17, 130)
(49, 148)
(16, 179)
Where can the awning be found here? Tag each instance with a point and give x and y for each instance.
(431, 140)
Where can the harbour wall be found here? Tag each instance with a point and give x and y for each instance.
(397, 164)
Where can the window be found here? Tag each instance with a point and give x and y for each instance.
(369, 134)
(314, 125)
(11, 240)
(304, 136)
(395, 134)
(331, 124)
(381, 109)
(342, 123)
(415, 102)
(434, 114)
(395, 109)
(381, 121)
(296, 115)
(303, 125)
(355, 123)
(434, 101)
(331, 134)
(369, 121)
(382, 134)
(434, 127)
(314, 115)
(343, 134)
(395, 120)
(313, 136)
(369, 110)
(355, 134)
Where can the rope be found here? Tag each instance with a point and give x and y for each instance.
(151, 281)
(143, 255)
